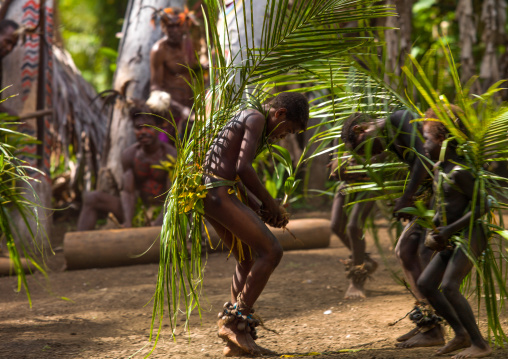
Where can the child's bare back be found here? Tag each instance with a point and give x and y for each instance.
(227, 150)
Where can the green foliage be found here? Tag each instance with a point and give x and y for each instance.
(89, 30)
(482, 140)
(15, 189)
(422, 213)
(303, 44)
(431, 19)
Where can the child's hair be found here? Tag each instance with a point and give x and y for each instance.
(6, 23)
(139, 109)
(296, 105)
(347, 134)
(438, 129)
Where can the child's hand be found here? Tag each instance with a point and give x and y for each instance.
(399, 204)
(438, 240)
(274, 214)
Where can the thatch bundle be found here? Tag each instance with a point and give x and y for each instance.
(78, 119)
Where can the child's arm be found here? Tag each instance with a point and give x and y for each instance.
(464, 182)
(249, 199)
(254, 129)
(418, 172)
(128, 192)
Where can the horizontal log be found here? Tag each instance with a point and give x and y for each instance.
(35, 114)
(118, 247)
(111, 247)
(7, 266)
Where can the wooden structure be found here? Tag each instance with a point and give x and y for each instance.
(118, 247)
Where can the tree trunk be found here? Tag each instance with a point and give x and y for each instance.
(493, 19)
(133, 64)
(398, 42)
(467, 39)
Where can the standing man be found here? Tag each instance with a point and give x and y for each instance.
(8, 41)
(169, 74)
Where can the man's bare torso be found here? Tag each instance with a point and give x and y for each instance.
(150, 182)
(174, 60)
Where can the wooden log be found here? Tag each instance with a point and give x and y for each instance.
(7, 266)
(118, 247)
(111, 248)
(305, 233)
(308, 234)
(35, 114)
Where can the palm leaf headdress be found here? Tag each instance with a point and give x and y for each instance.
(301, 43)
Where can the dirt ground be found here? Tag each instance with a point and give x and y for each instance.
(109, 311)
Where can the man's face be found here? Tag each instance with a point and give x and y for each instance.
(145, 135)
(8, 40)
(174, 31)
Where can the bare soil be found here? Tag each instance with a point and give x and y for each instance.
(109, 312)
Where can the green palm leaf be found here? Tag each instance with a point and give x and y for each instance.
(302, 44)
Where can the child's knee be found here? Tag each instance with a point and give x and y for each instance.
(425, 285)
(275, 255)
(337, 228)
(353, 227)
(90, 198)
(450, 288)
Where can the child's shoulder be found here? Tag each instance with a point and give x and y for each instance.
(461, 175)
(250, 116)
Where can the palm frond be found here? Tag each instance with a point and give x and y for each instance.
(15, 191)
(301, 44)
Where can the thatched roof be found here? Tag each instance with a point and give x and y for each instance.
(78, 119)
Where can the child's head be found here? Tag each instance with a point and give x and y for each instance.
(356, 130)
(289, 113)
(435, 132)
(140, 117)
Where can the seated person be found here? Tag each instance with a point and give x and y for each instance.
(139, 176)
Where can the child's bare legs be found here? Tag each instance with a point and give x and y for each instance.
(94, 203)
(339, 218)
(414, 256)
(227, 214)
(362, 265)
(406, 251)
(452, 266)
(243, 267)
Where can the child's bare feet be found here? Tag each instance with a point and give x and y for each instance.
(355, 290)
(232, 350)
(408, 335)
(474, 352)
(229, 332)
(429, 338)
(456, 343)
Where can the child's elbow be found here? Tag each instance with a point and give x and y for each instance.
(483, 207)
(242, 169)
